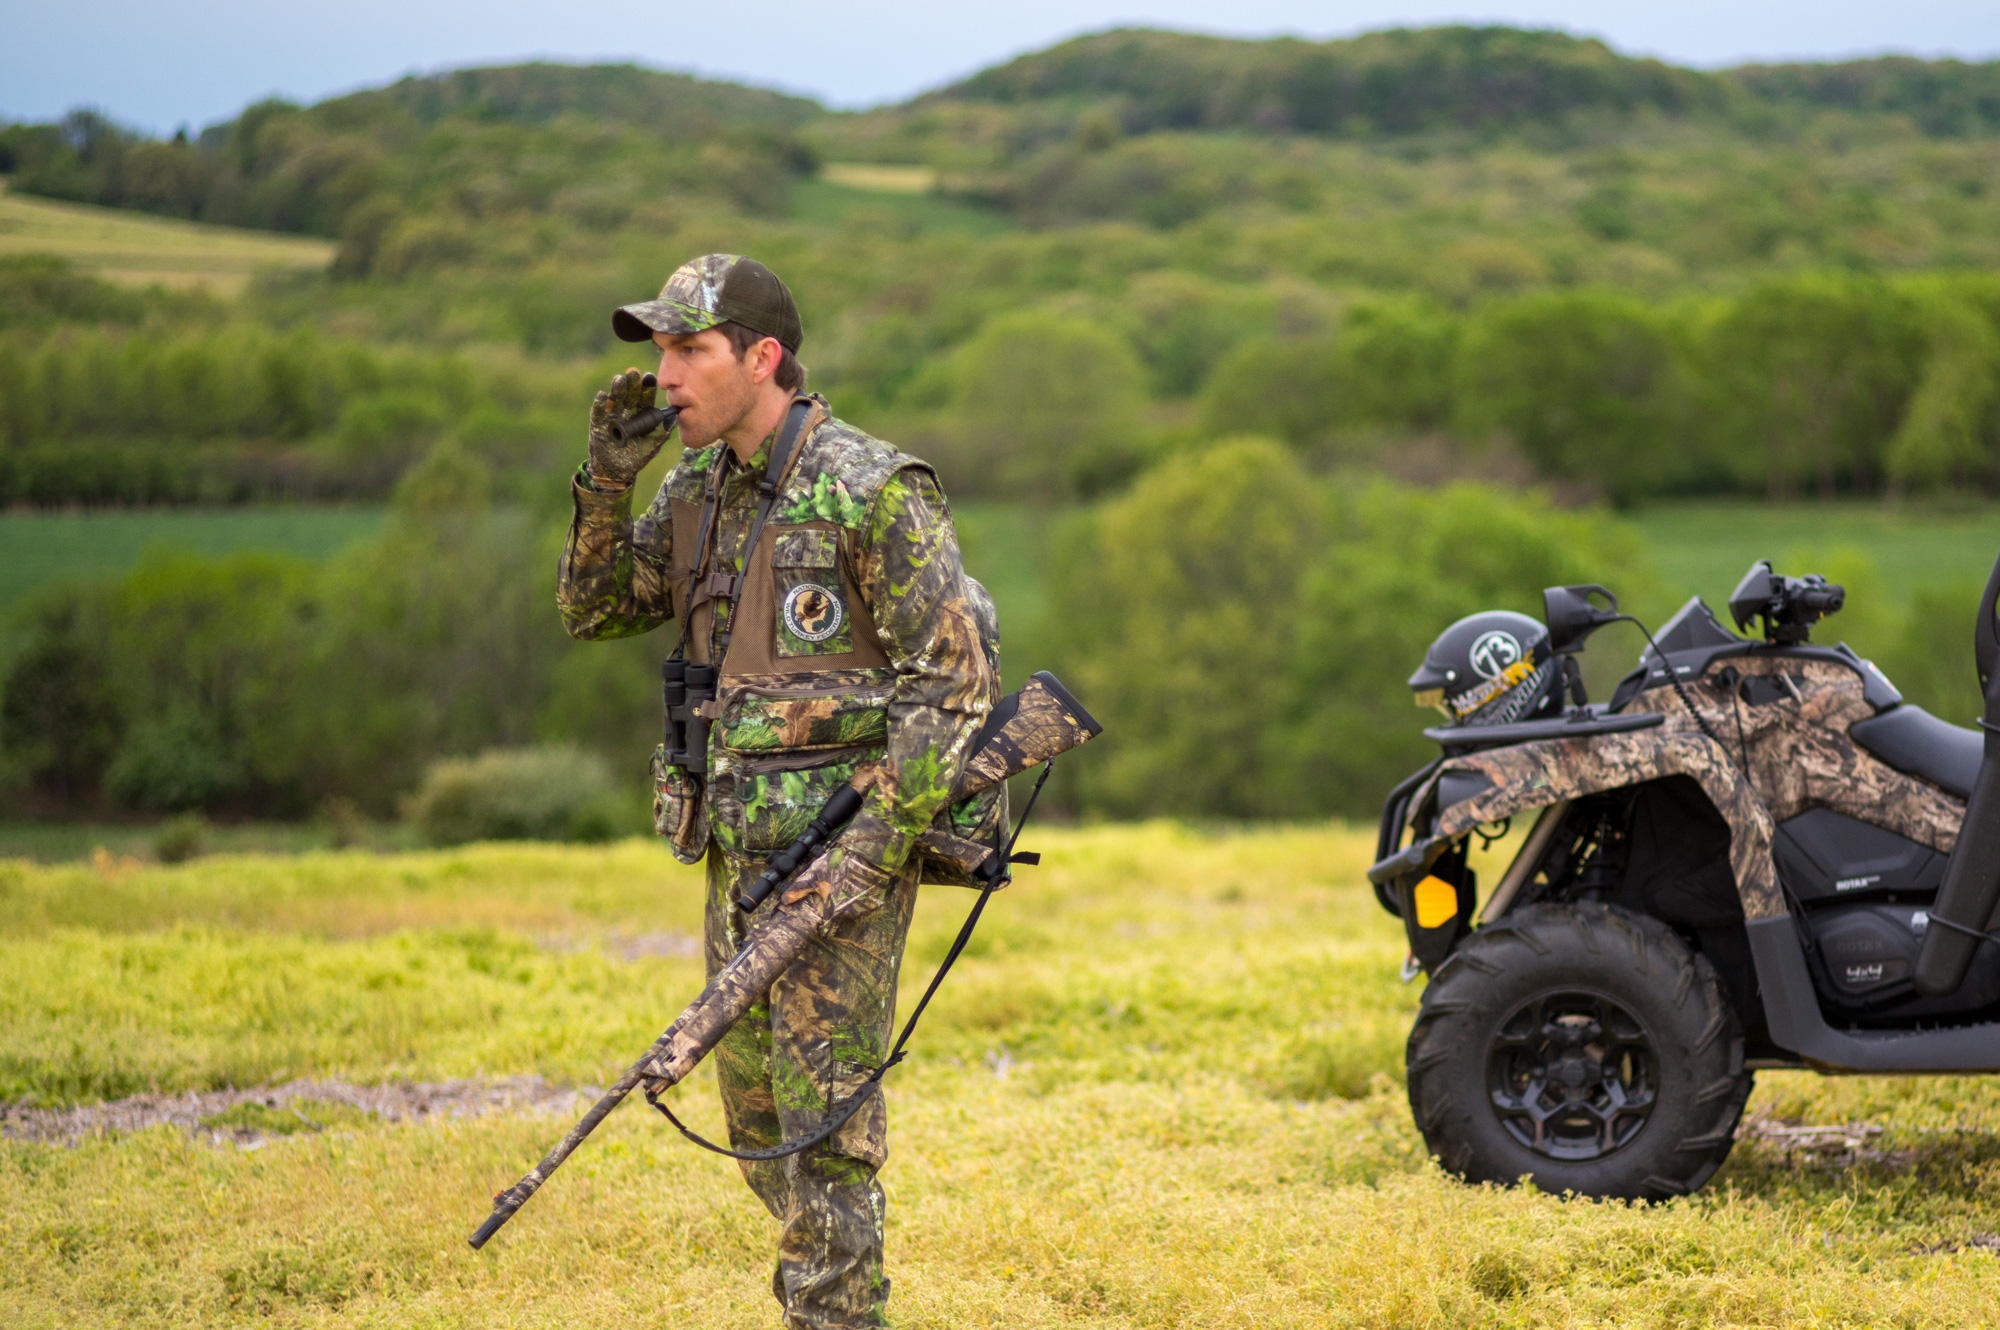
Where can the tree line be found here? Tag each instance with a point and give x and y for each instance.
(1245, 629)
(404, 175)
(1816, 384)
(1404, 80)
(1156, 127)
(185, 404)
(1243, 625)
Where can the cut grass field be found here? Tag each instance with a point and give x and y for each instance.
(39, 549)
(138, 250)
(1161, 1090)
(1695, 548)
(896, 199)
(1705, 548)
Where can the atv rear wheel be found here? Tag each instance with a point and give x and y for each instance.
(1583, 1047)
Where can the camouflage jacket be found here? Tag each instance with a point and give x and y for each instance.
(901, 690)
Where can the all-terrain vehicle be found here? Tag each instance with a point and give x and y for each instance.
(1755, 854)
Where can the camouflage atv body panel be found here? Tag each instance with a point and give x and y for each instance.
(1795, 749)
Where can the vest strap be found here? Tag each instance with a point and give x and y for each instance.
(767, 489)
(710, 500)
(713, 587)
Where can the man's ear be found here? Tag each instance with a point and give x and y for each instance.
(770, 354)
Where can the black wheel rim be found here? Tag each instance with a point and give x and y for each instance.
(1572, 1075)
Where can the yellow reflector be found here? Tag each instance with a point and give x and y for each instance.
(1437, 902)
(1430, 697)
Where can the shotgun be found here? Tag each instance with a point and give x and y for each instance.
(1024, 730)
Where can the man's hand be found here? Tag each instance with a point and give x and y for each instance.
(616, 462)
(843, 882)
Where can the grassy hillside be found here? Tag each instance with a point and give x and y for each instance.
(537, 93)
(133, 249)
(1161, 1089)
(1154, 127)
(1482, 79)
(1394, 82)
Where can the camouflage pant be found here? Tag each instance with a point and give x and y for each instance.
(823, 1028)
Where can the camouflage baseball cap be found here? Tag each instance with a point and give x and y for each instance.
(715, 288)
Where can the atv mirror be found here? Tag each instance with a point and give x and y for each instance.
(1572, 618)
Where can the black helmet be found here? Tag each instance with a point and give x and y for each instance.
(1490, 669)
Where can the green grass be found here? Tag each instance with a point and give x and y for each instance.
(39, 549)
(139, 250)
(822, 202)
(56, 842)
(1004, 545)
(1704, 549)
(1696, 548)
(1162, 1090)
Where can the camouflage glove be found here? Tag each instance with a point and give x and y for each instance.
(842, 883)
(615, 462)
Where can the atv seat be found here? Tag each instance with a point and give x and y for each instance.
(1917, 743)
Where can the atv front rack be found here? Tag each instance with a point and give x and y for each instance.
(1471, 738)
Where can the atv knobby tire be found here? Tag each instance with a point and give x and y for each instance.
(1580, 1046)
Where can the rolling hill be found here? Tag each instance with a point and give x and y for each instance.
(585, 144)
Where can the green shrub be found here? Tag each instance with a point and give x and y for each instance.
(1181, 324)
(59, 713)
(1588, 384)
(516, 794)
(181, 839)
(1403, 564)
(1809, 377)
(42, 289)
(1285, 388)
(1180, 609)
(1245, 631)
(1046, 407)
(177, 761)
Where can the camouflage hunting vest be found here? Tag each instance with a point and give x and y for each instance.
(803, 697)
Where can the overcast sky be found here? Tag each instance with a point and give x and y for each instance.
(162, 63)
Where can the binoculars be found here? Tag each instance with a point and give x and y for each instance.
(684, 688)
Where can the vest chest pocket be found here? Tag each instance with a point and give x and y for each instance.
(812, 609)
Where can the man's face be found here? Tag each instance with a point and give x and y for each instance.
(701, 374)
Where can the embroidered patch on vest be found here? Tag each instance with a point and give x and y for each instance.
(813, 613)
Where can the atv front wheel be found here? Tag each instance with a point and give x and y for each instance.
(1583, 1047)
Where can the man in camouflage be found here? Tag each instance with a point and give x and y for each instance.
(852, 649)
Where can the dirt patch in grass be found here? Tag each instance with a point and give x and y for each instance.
(1844, 1146)
(626, 946)
(251, 1117)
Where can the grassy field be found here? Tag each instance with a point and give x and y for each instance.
(133, 248)
(1696, 548)
(896, 199)
(1704, 549)
(38, 549)
(1163, 1090)
(57, 842)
